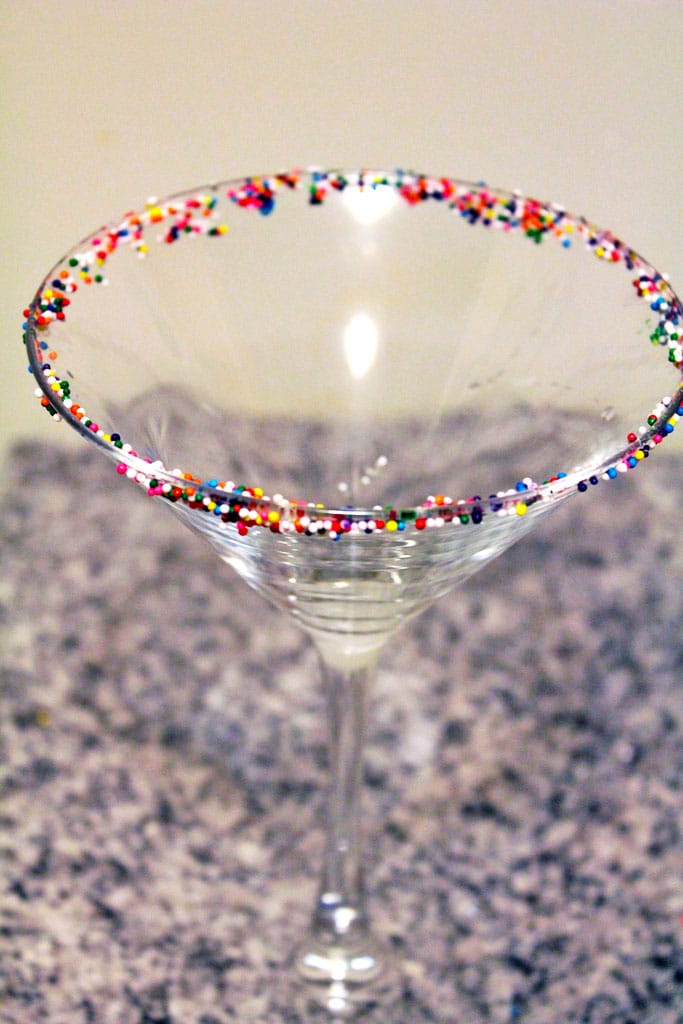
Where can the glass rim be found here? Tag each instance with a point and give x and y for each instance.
(249, 505)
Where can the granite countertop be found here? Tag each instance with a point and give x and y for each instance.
(162, 768)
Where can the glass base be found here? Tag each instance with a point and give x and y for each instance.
(346, 980)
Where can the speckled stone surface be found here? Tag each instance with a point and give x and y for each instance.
(162, 770)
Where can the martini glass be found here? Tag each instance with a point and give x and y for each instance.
(359, 387)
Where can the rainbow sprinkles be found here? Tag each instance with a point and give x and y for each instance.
(242, 507)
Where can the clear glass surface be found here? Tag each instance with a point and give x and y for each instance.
(359, 387)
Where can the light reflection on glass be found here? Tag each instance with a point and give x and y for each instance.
(361, 341)
(368, 205)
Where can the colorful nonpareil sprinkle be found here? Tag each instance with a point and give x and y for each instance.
(246, 507)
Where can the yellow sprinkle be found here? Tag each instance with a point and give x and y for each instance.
(521, 508)
(640, 455)
(273, 517)
(391, 526)
(258, 492)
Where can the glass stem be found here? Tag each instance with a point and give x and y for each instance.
(347, 970)
(340, 913)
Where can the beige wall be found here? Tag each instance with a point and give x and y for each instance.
(104, 103)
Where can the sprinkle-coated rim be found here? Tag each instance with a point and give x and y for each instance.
(197, 213)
